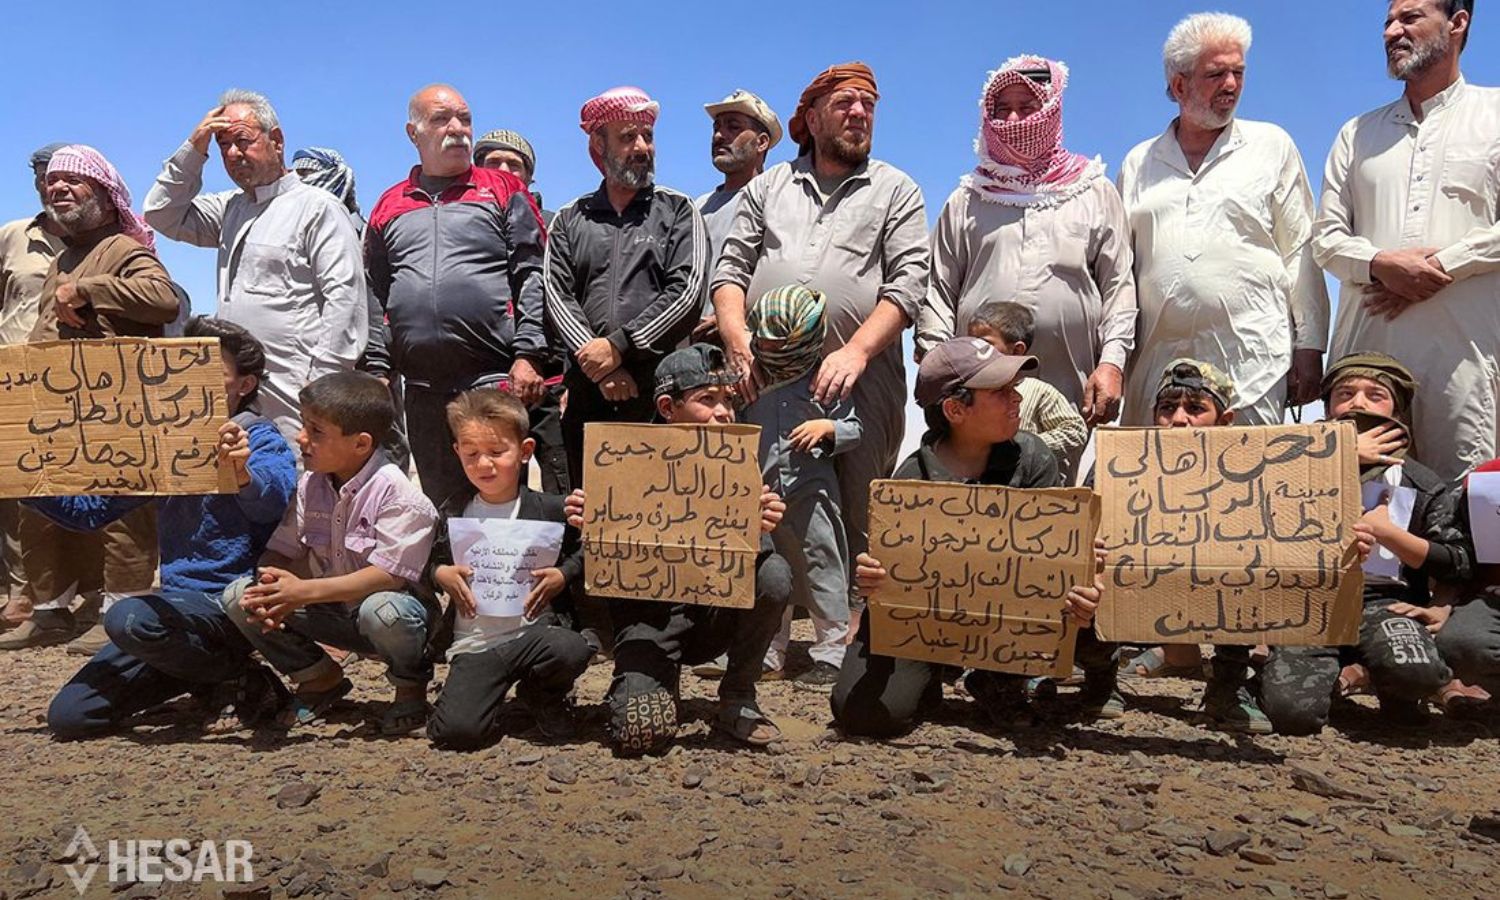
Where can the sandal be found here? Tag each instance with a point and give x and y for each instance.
(747, 725)
(307, 707)
(1152, 663)
(1353, 679)
(404, 716)
(1462, 700)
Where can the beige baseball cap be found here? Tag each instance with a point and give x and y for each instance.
(747, 103)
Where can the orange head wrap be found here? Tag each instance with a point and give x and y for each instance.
(845, 75)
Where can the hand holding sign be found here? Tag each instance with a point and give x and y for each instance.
(502, 556)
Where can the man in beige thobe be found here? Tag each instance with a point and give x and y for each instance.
(1408, 224)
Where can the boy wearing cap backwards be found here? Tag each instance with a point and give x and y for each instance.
(799, 438)
(968, 395)
(1395, 647)
(694, 386)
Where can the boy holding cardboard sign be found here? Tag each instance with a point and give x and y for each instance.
(1396, 652)
(694, 386)
(495, 645)
(967, 391)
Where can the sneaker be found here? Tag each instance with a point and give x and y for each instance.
(821, 677)
(713, 669)
(553, 714)
(771, 673)
(89, 643)
(45, 628)
(1002, 697)
(646, 722)
(1101, 699)
(1232, 707)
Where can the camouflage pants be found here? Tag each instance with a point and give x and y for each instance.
(1297, 683)
(1470, 642)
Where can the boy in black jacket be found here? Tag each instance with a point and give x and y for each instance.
(535, 651)
(967, 391)
(1396, 651)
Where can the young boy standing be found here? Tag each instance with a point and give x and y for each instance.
(1395, 647)
(179, 640)
(967, 391)
(694, 386)
(535, 651)
(798, 439)
(344, 568)
(1045, 412)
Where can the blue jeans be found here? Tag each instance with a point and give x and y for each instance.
(389, 624)
(160, 647)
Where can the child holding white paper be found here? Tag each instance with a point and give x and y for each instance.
(496, 647)
(1468, 631)
(1396, 654)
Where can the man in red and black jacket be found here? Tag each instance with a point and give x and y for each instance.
(453, 253)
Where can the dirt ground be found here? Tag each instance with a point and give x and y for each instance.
(1153, 805)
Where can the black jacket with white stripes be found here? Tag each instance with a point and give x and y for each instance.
(637, 278)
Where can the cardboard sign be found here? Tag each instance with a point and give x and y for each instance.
(118, 416)
(977, 575)
(1484, 515)
(1230, 535)
(502, 554)
(673, 512)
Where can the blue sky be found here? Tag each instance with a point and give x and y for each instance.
(132, 79)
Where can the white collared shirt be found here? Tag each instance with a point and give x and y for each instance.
(1223, 267)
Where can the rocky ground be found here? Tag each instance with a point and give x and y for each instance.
(1151, 806)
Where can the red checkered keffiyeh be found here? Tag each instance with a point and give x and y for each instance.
(621, 104)
(81, 159)
(1024, 163)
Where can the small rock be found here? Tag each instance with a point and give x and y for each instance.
(693, 777)
(1402, 831)
(432, 879)
(1144, 783)
(1224, 843)
(1334, 892)
(1257, 855)
(1017, 865)
(1323, 786)
(380, 868)
(1131, 822)
(1392, 854)
(1303, 817)
(260, 889)
(1278, 889)
(562, 773)
(528, 759)
(1487, 827)
(297, 795)
(664, 871)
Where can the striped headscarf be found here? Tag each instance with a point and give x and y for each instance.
(792, 315)
(326, 169)
(81, 159)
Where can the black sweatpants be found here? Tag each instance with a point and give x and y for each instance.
(545, 660)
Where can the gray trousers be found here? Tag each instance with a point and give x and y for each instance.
(1297, 683)
(1470, 642)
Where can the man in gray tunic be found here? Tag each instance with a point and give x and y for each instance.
(854, 228)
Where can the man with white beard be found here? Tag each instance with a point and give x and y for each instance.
(453, 254)
(1220, 215)
(1408, 225)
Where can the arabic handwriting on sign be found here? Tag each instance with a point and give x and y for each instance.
(978, 575)
(1250, 543)
(92, 403)
(673, 512)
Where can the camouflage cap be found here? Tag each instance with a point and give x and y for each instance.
(1196, 375)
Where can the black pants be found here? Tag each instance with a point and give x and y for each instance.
(1297, 683)
(882, 696)
(438, 469)
(653, 640)
(544, 659)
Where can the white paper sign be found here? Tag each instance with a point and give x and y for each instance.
(1484, 515)
(502, 553)
(1399, 500)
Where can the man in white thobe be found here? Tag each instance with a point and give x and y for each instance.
(1220, 215)
(1408, 224)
